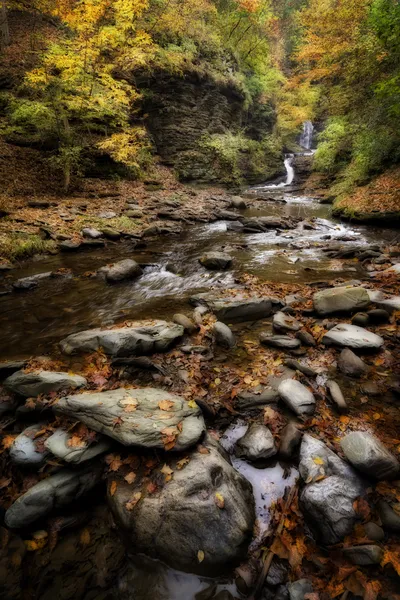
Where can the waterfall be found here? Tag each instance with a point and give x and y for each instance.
(289, 169)
(307, 135)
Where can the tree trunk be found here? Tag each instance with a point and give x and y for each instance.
(4, 30)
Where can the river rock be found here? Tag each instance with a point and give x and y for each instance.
(378, 315)
(299, 589)
(236, 308)
(250, 399)
(389, 304)
(327, 500)
(367, 554)
(52, 493)
(290, 439)
(216, 260)
(181, 523)
(352, 336)
(340, 299)
(336, 396)
(111, 234)
(9, 367)
(122, 270)
(297, 397)
(350, 364)
(223, 335)
(28, 451)
(188, 325)
(297, 366)
(146, 337)
(283, 342)
(390, 518)
(238, 202)
(363, 450)
(42, 382)
(91, 233)
(137, 417)
(59, 444)
(257, 443)
(69, 246)
(374, 532)
(306, 338)
(361, 319)
(284, 322)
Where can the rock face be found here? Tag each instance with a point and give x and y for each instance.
(340, 299)
(223, 335)
(236, 309)
(122, 270)
(25, 450)
(351, 336)
(146, 417)
(328, 503)
(297, 397)
(182, 519)
(216, 260)
(257, 443)
(369, 455)
(42, 382)
(54, 492)
(59, 445)
(350, 364)
(141, 339)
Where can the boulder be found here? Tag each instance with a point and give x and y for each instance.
(257, 443)
(374, 532)
(361, 319)
(236, 308)
(42, 382)
(146, 337)
(121, 271)
(297, 397)
(216, 260)
(341, 299)
(146, 417)
(284, 342)
(91, 233)
(290, 439)
(367, 554)
(284, 322)
(306, 338)
(336, 396)
(200, 521)
(250, 399)
(367, 454)
(238, 202)
(188, 325)
(352, 336)
(390, 518)
(27, 450)
(61, 445)
(350, 364)
(223, 335)
(52, 493)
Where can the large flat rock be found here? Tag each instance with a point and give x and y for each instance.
(146, 417)
(352, 336)
(367, 454)
(237, 308)
(54, 492)
(341, 299)
(200, 521)
(30, 384)
(146, 337)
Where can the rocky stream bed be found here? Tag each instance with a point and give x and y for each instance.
(163, 396)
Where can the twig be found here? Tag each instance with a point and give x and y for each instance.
(270, 554)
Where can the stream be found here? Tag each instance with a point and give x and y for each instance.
(32, 321)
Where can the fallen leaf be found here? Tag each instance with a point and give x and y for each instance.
(113, 488)
(183, 462)
(130, 478)
(130, 505)
(318, 460)
(151, 487)
(165, 404)
(200, 556)
(219, 500)
(192, 404)
(84, 538)
(168, 472)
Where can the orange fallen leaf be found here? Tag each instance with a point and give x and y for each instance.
(130, 478)
(113, 488)
(165, 404)
(84, 538)
(130, 505)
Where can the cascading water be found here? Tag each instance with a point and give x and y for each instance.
(288, 162)
(307, 135)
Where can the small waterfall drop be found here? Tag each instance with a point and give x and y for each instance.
(307, 135)
(289, 169)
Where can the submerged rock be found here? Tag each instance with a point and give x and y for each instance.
(216, 260)
(297, 397)
(146, 337)
(257, 443)
(54, 492)
(122, 270)
(42, 382)
(146, 417)
(352, 336)
(341, 299)
(60, 445)
(369, 455)
(200, 521)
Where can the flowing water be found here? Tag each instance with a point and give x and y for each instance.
(32, 321)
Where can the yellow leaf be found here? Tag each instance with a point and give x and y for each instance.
(248, 379)
(219, 500)
(84, 538)
(318, 460)
(376, 416)
(200, 556)
(217, 381)
(167, 471)
(192, 404)
(181, 463)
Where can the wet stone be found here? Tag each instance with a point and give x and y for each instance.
(121, 271)
(367, 454)
(361, 319)
(297, 397)
(364, 555)
(9, 367)
(350, 364)
(378, 315)
(352, 336)
(238, 202)
(297, 366)
(236, 309)
(389, 517)
(216, 260)
(42, 382)
(69, 246)
(111, 234)
(188, 325)
(223, 335)
(146, 417)
(340, 299)
(306, 338)
(257, 443)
